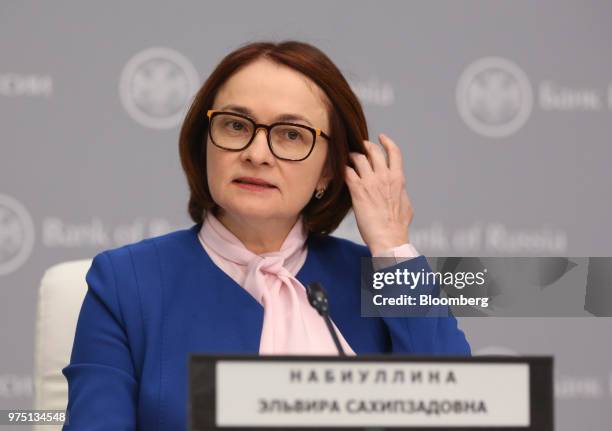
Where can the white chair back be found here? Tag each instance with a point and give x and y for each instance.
(60, 297)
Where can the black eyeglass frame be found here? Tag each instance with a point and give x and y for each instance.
(267, 127)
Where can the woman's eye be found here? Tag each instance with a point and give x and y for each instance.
(292, 135)
(234, 123)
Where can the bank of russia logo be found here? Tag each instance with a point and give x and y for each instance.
(494, 97)
(156, 86)
(16, 234)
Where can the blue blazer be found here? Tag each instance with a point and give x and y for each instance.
(150, 304)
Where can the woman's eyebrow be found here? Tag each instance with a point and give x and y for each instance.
(282, 117)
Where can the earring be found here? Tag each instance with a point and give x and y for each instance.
(319, 193)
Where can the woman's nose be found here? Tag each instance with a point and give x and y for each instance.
(258, 151)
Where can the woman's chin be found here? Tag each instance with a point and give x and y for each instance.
(255, 211)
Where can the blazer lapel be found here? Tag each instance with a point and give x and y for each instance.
(205, 310)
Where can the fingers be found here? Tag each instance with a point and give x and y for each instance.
(374, 161)
(351, 176)
(376, 157)
(371, 163)
(395, 155)
(362, 165)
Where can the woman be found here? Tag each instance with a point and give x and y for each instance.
(264, 205)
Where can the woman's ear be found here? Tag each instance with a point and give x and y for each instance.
(323, 181)
(326, 177)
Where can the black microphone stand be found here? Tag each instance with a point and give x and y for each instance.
(317, 296)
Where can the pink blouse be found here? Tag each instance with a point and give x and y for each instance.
(308, 333)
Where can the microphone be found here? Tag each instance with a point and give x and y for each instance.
(317, 297)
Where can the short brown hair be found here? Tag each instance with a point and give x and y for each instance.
(348, 128)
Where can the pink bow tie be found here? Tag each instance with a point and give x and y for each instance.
(291, 325)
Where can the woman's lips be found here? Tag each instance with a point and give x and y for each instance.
(253, 187)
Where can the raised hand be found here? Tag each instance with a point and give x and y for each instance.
(380, 202)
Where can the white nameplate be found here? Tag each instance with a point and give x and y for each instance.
(303, 393)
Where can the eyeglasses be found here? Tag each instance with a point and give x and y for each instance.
(287, 141)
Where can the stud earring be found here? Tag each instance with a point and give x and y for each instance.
(319, 193)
